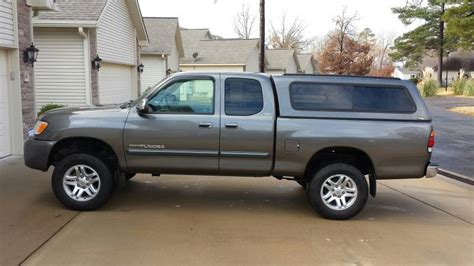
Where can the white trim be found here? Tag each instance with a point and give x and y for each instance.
(87, 65)
(190, 65)
(64, 23)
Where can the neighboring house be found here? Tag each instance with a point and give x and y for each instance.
(163, 55)
(16, 77)
(220, 55)
(405, 73)
(281, 61)
(69, 39)
(308, 64)
(457, 60)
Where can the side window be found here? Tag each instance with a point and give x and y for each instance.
(243, 97)
(315, 96)
(186, 97)
(382, 99)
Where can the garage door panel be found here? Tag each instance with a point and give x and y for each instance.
(60, 73)
(5, 138)
(115, 83)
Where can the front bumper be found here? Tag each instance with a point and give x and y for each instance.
(36, 153)
(431, 170)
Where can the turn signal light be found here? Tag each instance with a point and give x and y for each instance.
(431, 141)
(40, 127)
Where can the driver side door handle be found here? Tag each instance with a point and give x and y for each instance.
(205, 125)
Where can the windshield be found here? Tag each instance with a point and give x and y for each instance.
(146, 93)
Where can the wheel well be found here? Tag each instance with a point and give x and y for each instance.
(352, 156)
(91, 146)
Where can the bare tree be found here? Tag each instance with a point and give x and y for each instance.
(288, 35)
(243, 22)
(382, 49)
(344, 27)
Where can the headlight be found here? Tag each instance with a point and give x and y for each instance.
(40, 126)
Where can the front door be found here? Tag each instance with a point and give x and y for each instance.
(180, 133)
(247, 126)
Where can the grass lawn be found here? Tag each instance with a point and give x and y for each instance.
(467, 110)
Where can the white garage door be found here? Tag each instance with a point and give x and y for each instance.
(5, 143)
(154, 71)
(115, 83)
(60, 73)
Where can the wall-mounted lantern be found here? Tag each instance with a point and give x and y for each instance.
(97, 62)
(140, 68)
(30, 54)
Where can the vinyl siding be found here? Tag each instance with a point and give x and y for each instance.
(153, 72)
(7, 32)
(116, 37)
(213, 68)
(60, 72)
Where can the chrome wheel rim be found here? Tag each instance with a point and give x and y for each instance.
(339, 192)
(81, 182)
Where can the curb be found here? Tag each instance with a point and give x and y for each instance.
(459, 177)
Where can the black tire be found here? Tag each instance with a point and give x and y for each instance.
(104, 174)
(317, 202)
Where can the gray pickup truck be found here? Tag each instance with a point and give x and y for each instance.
(334, 135)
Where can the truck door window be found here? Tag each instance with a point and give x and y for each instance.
(186, 96)
(243, 97)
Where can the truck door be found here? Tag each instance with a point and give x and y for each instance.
(180, 133)
(247, 125)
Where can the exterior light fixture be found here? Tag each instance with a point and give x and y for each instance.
(140, 68)
(97, 62)
(30, 54)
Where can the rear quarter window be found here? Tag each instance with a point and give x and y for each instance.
(345, 97)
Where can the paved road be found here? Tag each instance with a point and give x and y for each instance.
(454, 148)
(200, 220)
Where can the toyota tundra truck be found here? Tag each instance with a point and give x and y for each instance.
(333, 135)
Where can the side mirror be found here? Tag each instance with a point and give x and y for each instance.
(142, 106)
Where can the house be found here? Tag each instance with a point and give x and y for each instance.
(75, 38)
(17, 113)
(163, 55)
(405, 73)
(451, 64)
(282, 61)
(222, 55)
(308, 64)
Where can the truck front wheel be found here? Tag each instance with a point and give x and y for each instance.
(82, 182)
(338, 191)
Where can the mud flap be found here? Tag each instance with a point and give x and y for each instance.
(372, 185)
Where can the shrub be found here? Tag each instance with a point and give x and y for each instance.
(428, 85)
(48, 107)
(469, 88)
(459, 84)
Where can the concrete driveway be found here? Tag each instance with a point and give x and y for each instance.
(454, 148)
(229, 220)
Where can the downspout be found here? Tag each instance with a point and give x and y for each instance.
(86, 65)
(82, 33)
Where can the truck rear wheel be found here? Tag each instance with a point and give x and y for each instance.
(82, 182)
(338, 191)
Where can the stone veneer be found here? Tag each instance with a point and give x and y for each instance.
(25, 38)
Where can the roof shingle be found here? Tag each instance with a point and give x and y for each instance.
(81, 10)
(162, 35)
(279, 59)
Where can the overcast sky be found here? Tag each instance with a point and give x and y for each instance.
(317, 15)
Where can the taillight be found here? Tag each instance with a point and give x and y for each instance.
(431, 141)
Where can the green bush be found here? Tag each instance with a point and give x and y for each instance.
(469, 88)
(48, 107)
(458, 86)
(428, 87)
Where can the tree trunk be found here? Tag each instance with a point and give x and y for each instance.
(441, 44)
(262, 36)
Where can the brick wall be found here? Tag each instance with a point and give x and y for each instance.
(94, 72)
(25, 38)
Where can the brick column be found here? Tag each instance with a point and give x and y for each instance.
(25, 38)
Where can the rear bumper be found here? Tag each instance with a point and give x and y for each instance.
(36, 153)
(431, 170)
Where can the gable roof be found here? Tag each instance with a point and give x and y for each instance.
(191, 38)
(279, 59)
(305, 59)
(163, 33)
(86, 13)
(220, 52)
